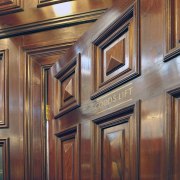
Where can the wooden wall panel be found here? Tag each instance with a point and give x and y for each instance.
(116, 53)
(173, 134)
(4, 164)
(69, 86)
(68, 156)
(117, 145)
(4, 63)
(10, 6)
(172, 29)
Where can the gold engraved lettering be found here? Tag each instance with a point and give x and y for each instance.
(118, 97)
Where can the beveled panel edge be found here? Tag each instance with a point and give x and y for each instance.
(4, 142)
(11, 7)
(59, 22)
(4, 53)
(75, 64)
(43, 3)
(131, 12)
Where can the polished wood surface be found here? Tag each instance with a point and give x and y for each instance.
(112, 93)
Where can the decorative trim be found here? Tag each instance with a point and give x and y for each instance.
(73, 132)
(4, 119)
(70, 73)
(11, 6)
(59, 22)
(43, 3)
(123, 29)
(131, 115)
(4, 143)
(31, 52)
(172, 49)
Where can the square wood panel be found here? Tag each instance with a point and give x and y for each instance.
(69, 82)
(117, 145)
(68, 153)
(4, 88)
(116, 54)
(10, 6)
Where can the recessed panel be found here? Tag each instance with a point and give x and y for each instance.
(10, 6)
(117, 144)
(3, 89)
(69, 83)
(115, 54)
(172, 22)
(115, 160)
(173, 134)
(68, 154)
(4, 159)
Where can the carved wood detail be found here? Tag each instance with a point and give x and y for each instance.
(43, 3)
(68, 145)
(4, 88)
(117, 144)
(10, 6)
(69, 82)
(173, 134)
(116, 53)
(4, 144)
(172, 29)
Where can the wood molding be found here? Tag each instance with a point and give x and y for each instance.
(33, 53)
(121, 39)
(43, 3)
(69, 86)
(172, 32)
(172, 133)
(59, 22)
(11, 6)
(126, 121)
(69, 137)
(4, 91)
(4, 144)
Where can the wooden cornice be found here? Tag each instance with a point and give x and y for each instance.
(59, 22)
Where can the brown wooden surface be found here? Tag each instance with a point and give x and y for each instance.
(126, 124)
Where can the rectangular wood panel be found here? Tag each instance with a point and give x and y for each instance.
(67, 160)
(173, 134)
(4, 159)
(117, 144)
(172, 29)
(3, 88)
